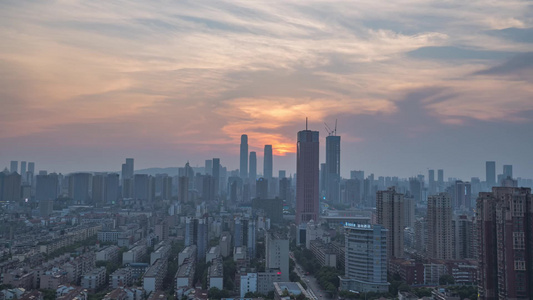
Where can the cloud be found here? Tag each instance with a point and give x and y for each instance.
(516, 65)
(201, 73)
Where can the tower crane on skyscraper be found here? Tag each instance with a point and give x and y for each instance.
(329, 131)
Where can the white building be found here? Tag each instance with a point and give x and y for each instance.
(248, 283)
(365, 258)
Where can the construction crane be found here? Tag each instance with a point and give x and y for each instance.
(329, 131)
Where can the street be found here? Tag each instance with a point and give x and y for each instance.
(313, 287)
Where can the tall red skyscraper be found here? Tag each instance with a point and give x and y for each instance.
(307, 173)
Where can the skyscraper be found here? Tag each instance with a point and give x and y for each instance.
(507, 171)
(14, 167)
(432, 183)
(23, 170)
(243, 167)
(267, 162)
(505, 243)
(333, 168)
(253, 166)
(307, 173)
(216, 175)
(390, 211)
(490, 173)
(439, 222)
(208, 167)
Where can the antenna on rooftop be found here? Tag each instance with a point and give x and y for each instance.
(305, 123)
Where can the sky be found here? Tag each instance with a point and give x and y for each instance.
(414, 85)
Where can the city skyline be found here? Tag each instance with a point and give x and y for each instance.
(446, 84)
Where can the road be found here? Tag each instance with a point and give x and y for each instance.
(312, 285)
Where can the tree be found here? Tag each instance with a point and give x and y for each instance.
(446, 279)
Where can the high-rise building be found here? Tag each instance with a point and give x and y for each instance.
(261, 188)
(440, 180)
(79, 187)
(277, 253)
(365, 259)
(196, 233)
(490, 173)
(98, 190)
(390, 214)
(463, 237)
(253, 166)
(507, 171)
(30, 173)
(333, 168)
(142, 187)
(23, 170)
(10, 187)
(432, 183)
(112, 184)
(14, 167)
(415, 187)
(208, 167)
(267, 162)
(282, 174)
(307, 162)
(504, 219)
(183, 189)
(216, 175)
(47, 187)
(439, 223)
(243, 167)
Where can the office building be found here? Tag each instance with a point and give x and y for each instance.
(307, 163)
(390, 214)
(439, 224)
(31, 172)
(490, 173)
(243, 166)
(505, 234)
(253, 166)
(333, 168)
(267, 162)
(208, 167)
(365, 259)
(277, 253)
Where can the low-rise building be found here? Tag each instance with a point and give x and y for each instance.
(109, 253)
(135, 254)
(213, 253)
(324, 253)
(121, 277)
(153, 278)
(265, 280)
(286, 290)
(215, 274)
(187, 253)
(185, 275)
(94, 280)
